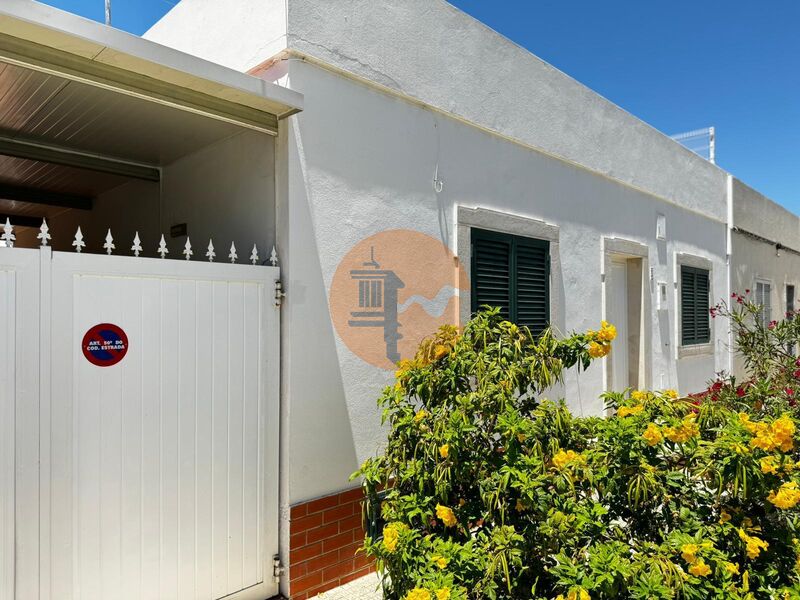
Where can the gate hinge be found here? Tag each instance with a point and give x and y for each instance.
(277, 569)
(279, 293)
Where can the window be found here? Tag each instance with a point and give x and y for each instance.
(763, 299)
(512, 273)
(695, 325)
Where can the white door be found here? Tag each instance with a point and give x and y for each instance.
(160, 471)
(617, 310)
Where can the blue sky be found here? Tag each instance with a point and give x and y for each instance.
(678, 65)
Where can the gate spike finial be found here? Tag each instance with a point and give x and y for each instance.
(187, 249)
(162, 247)
(273, 257)
(78, 242)
(44, 234)
(233, 256)
(8, 234)
(137, 245)
(211, 254)
(254, 255)
(109, 245)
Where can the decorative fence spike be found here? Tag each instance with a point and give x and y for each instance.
(162, 247)
(254, 255)
(187, 249)
(233, 256)
(137, 245)
(44, 234)
(78, 242)
(273, 257)
(109, 245)
(211, 254)
(8, 234)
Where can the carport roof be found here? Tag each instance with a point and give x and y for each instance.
(85, 108)
(43, 38)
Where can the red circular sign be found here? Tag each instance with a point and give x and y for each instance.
(105, 345)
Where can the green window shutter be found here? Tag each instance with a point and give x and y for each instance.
(512, 273)
(491, 271)
(695, 325)
(702, 318)
(532, 284)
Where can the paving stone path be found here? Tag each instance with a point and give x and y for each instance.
(366, 588)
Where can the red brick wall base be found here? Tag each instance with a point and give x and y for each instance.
(324, 535)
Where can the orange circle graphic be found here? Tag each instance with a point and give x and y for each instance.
(392, 290)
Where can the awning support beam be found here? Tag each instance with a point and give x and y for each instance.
(35, 196)
(21, 220)
(60, 155)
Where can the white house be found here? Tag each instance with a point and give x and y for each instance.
(408, 164)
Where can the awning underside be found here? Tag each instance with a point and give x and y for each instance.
(64, 142)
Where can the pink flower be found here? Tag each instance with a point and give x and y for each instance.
(747, 291)
(789, 391)
(796, 374)
(740, 391)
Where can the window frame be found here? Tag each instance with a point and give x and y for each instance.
(697, 341)
(705, 264)
(515, 241)
(765, 317)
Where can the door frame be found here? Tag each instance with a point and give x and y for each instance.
(616, 278)
(618, 248)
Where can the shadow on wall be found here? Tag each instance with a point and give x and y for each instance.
(322, 452)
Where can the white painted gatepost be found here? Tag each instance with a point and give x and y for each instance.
(138, 425)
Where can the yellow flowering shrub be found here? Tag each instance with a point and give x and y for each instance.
(446, 514)
(625, 411)
(786, 497)
(491, 492)
(652, 435)
(418, 594)
(562, 459)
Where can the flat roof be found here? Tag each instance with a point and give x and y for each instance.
(43, 38)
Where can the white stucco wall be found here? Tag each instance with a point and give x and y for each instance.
(224, 192)
(431, 51)
(239, 34)
(754, 212)
(361, 161)
(408, 84)
(481, 77)
(757, 259)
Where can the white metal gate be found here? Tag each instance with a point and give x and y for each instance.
(153, 478)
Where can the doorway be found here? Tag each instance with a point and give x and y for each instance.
(625, 309)
(618, 315)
